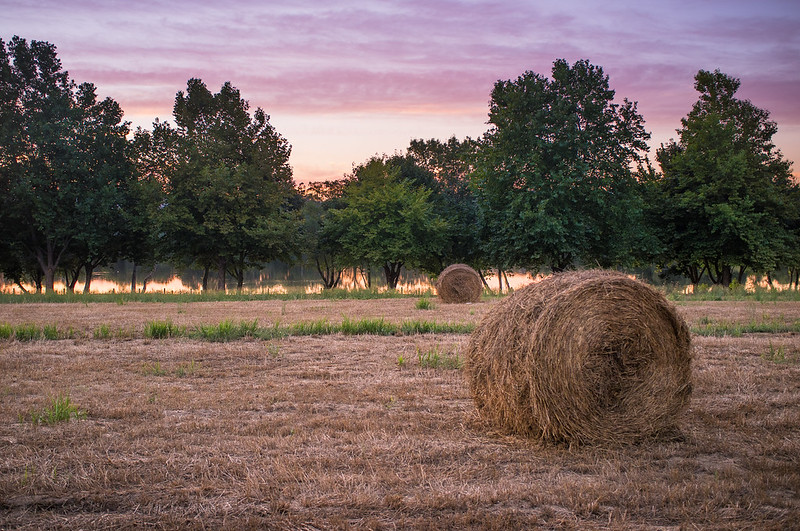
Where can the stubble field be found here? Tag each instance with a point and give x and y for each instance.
(367, 431)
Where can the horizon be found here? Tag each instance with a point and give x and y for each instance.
(343, 83)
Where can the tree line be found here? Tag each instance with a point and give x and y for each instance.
(561, 179)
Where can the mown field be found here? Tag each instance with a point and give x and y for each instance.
(299, 422)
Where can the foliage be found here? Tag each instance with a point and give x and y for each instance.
(726, 199)
(63, 164)
(229, 198)
(386, 221)
(553, 178)
(59, 409)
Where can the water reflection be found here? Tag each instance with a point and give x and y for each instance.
(276, 278)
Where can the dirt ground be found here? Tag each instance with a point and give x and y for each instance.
(338, 432)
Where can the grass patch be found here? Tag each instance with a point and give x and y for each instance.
(60, 409)
(102, 332)
(312, 328)
(424, 304)
(162, 330)
(226, 331)
(203, 296)
(6, 331)
(439, 358)
(378, 327)
(708, 327)
(27, 332)
(778, 354)
(416, 326)
(153, 369)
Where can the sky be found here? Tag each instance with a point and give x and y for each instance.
(345, 80)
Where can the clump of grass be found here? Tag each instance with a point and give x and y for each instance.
(227, 330)
(153, 369)
(778, 354)
(724, 328)
(401, 361)
(424, 303)
(161, 330)
(50, 332)
(377, 327)
(27, 332)
(60, 409)
(312, 328)
(6, 330)
(102, 332)
(186, 369)
(439, 358)
(432, 327)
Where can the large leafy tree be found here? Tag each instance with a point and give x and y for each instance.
(63, 162)
(386, 221)
(229, 200)
(554, 178)
(726, 197)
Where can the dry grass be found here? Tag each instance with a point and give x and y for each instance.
(329, 432)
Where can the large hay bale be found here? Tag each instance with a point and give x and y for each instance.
(459, 283)
(584, 357)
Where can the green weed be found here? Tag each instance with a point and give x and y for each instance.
(424, 303)
(312, 328)
(153, 369)
(161, 330)
(27, 332)
(50, 332)
(59, 409)
(102, 332)
(6, 330)
(439, 358)
(377, 327)
(779, 355)
(187, 369)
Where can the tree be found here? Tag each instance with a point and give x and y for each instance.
(320, 248)
(229, 201)
(386, 221)
(451, 164)
(725, 195)
(554, 179)
(63, 159)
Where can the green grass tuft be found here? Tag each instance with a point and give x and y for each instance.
(27, 332)
(162, 330)
(60, 409)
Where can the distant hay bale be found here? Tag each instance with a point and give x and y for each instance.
(459, 283)
(581, 358)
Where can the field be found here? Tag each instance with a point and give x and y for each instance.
(307, 430)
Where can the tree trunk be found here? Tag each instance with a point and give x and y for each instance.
(483, 279)
(392, 271)
(222, 270)
(48, 261)
(148, 278)
(87, 282)
(742, 277)
(205, 278)
(500, 280)
(133, 279)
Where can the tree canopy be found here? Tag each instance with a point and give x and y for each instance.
(554, 178)
(63, 161)
(228, 199)
(726, 198)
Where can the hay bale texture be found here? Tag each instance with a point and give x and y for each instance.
(459, 283)
(581, 358)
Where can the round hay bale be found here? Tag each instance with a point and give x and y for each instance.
(583, 357)
(459, 283)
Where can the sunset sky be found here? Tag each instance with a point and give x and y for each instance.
(346, 80)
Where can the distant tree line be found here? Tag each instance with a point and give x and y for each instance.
(560, 180)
